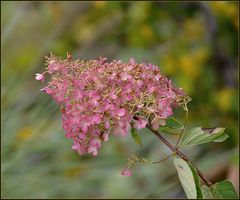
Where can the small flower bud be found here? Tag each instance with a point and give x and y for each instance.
(39, 77)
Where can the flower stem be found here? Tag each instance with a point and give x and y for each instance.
(184, 125)
(181, 155)
(157, 162)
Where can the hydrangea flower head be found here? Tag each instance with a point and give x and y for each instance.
(99, 98)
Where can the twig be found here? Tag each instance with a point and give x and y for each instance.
(167, 157)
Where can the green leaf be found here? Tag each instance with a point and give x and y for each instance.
(168, 130)
(223, 189)
(136, 137)
(206, 192)
(171, 122)
(221, 138)
(197, 182)
(171, 126)
(202, 135)
(186, 177)
(220, 190)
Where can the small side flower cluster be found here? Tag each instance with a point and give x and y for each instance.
(132, 160)
(98, 97)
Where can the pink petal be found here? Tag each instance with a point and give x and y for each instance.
(139, 83)
(96, 119)
(126, 172)
(75, 146)
(140, 123)
(105, 137)
(93, 150)
(132, 61)
(39, 77)
(121, 112)
(125, 76)
(107, 125)
(47, 90)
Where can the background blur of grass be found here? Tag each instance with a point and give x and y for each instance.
(195, 44)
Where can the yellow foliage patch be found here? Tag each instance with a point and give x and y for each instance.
(224, 99)
(147, 32)
(193, 29)
(191, 63)
(169, 65)
(227, 9)
(99, 4)
(25, 133)
(75, 171)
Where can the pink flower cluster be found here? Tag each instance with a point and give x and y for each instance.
(126, 172)
(98, 98)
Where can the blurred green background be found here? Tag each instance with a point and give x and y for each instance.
(195, 44)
